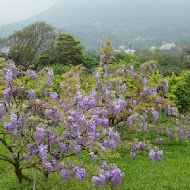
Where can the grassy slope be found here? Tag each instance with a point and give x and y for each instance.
(172, 173)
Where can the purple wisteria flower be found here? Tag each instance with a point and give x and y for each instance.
(145, 82)
(106, 174)
(180, 135)
(77, 149)
(8, 127)
(93, 156)
(99, 181)
(9, 78)
(27, 157)
(49, 82)
(114, 135)
(169, 111)
(43, 149)
(117, 109)
(152, 155)
(104, 122)
(133, 155)
(63, 148)
(32, 75)
(188, 135)
(80, 173)
(132, 68)
(52, 140)
(122, 71)
(54, 112)
(138, 146)
(54, 96)
(49, 167)
(110, 144)
(124, 87)
(12, 68)
(159, 155)
(166, 86)
(104, 150)
(156, 155)
(130, 121)
(14, 120)
(7, 95)
(2, 114)
(102, 58)
(155, 115)
(116, 176)
(66, 175)
(31, 95)
(97, 76)
(78, 76)
(39, 134)
(159, 141)
(32, 149)
(51, 74)
(55, 163)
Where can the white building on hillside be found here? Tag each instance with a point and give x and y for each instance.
(130, 51)
(168, 46)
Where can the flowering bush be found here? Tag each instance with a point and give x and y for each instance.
(49, 130)
(44, 132)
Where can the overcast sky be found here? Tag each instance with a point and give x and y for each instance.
(16, 10)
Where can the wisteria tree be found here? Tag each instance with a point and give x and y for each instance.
(48, 128)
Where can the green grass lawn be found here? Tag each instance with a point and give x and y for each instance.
(173, 173)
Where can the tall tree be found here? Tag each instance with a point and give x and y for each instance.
(69, 51)
(32, 40)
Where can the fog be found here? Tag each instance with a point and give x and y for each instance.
(17, 10)
(151, 22)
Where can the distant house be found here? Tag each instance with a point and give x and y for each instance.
(130, 51)
(168, 46)
(116, 50)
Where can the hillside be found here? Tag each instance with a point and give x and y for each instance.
(141, 24)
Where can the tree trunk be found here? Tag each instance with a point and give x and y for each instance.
(19, 173)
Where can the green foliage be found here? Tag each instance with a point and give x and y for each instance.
(45, 59)
(68, 50)
(27, 43)
(180, 89)
(91, 62)
(88, 82)
(155, 79)
(60, 69)
(168, 62)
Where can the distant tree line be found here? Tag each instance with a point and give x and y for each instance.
(37, 46)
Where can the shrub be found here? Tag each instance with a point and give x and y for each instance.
(180, 89)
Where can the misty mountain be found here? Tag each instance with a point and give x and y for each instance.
(140, 23)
